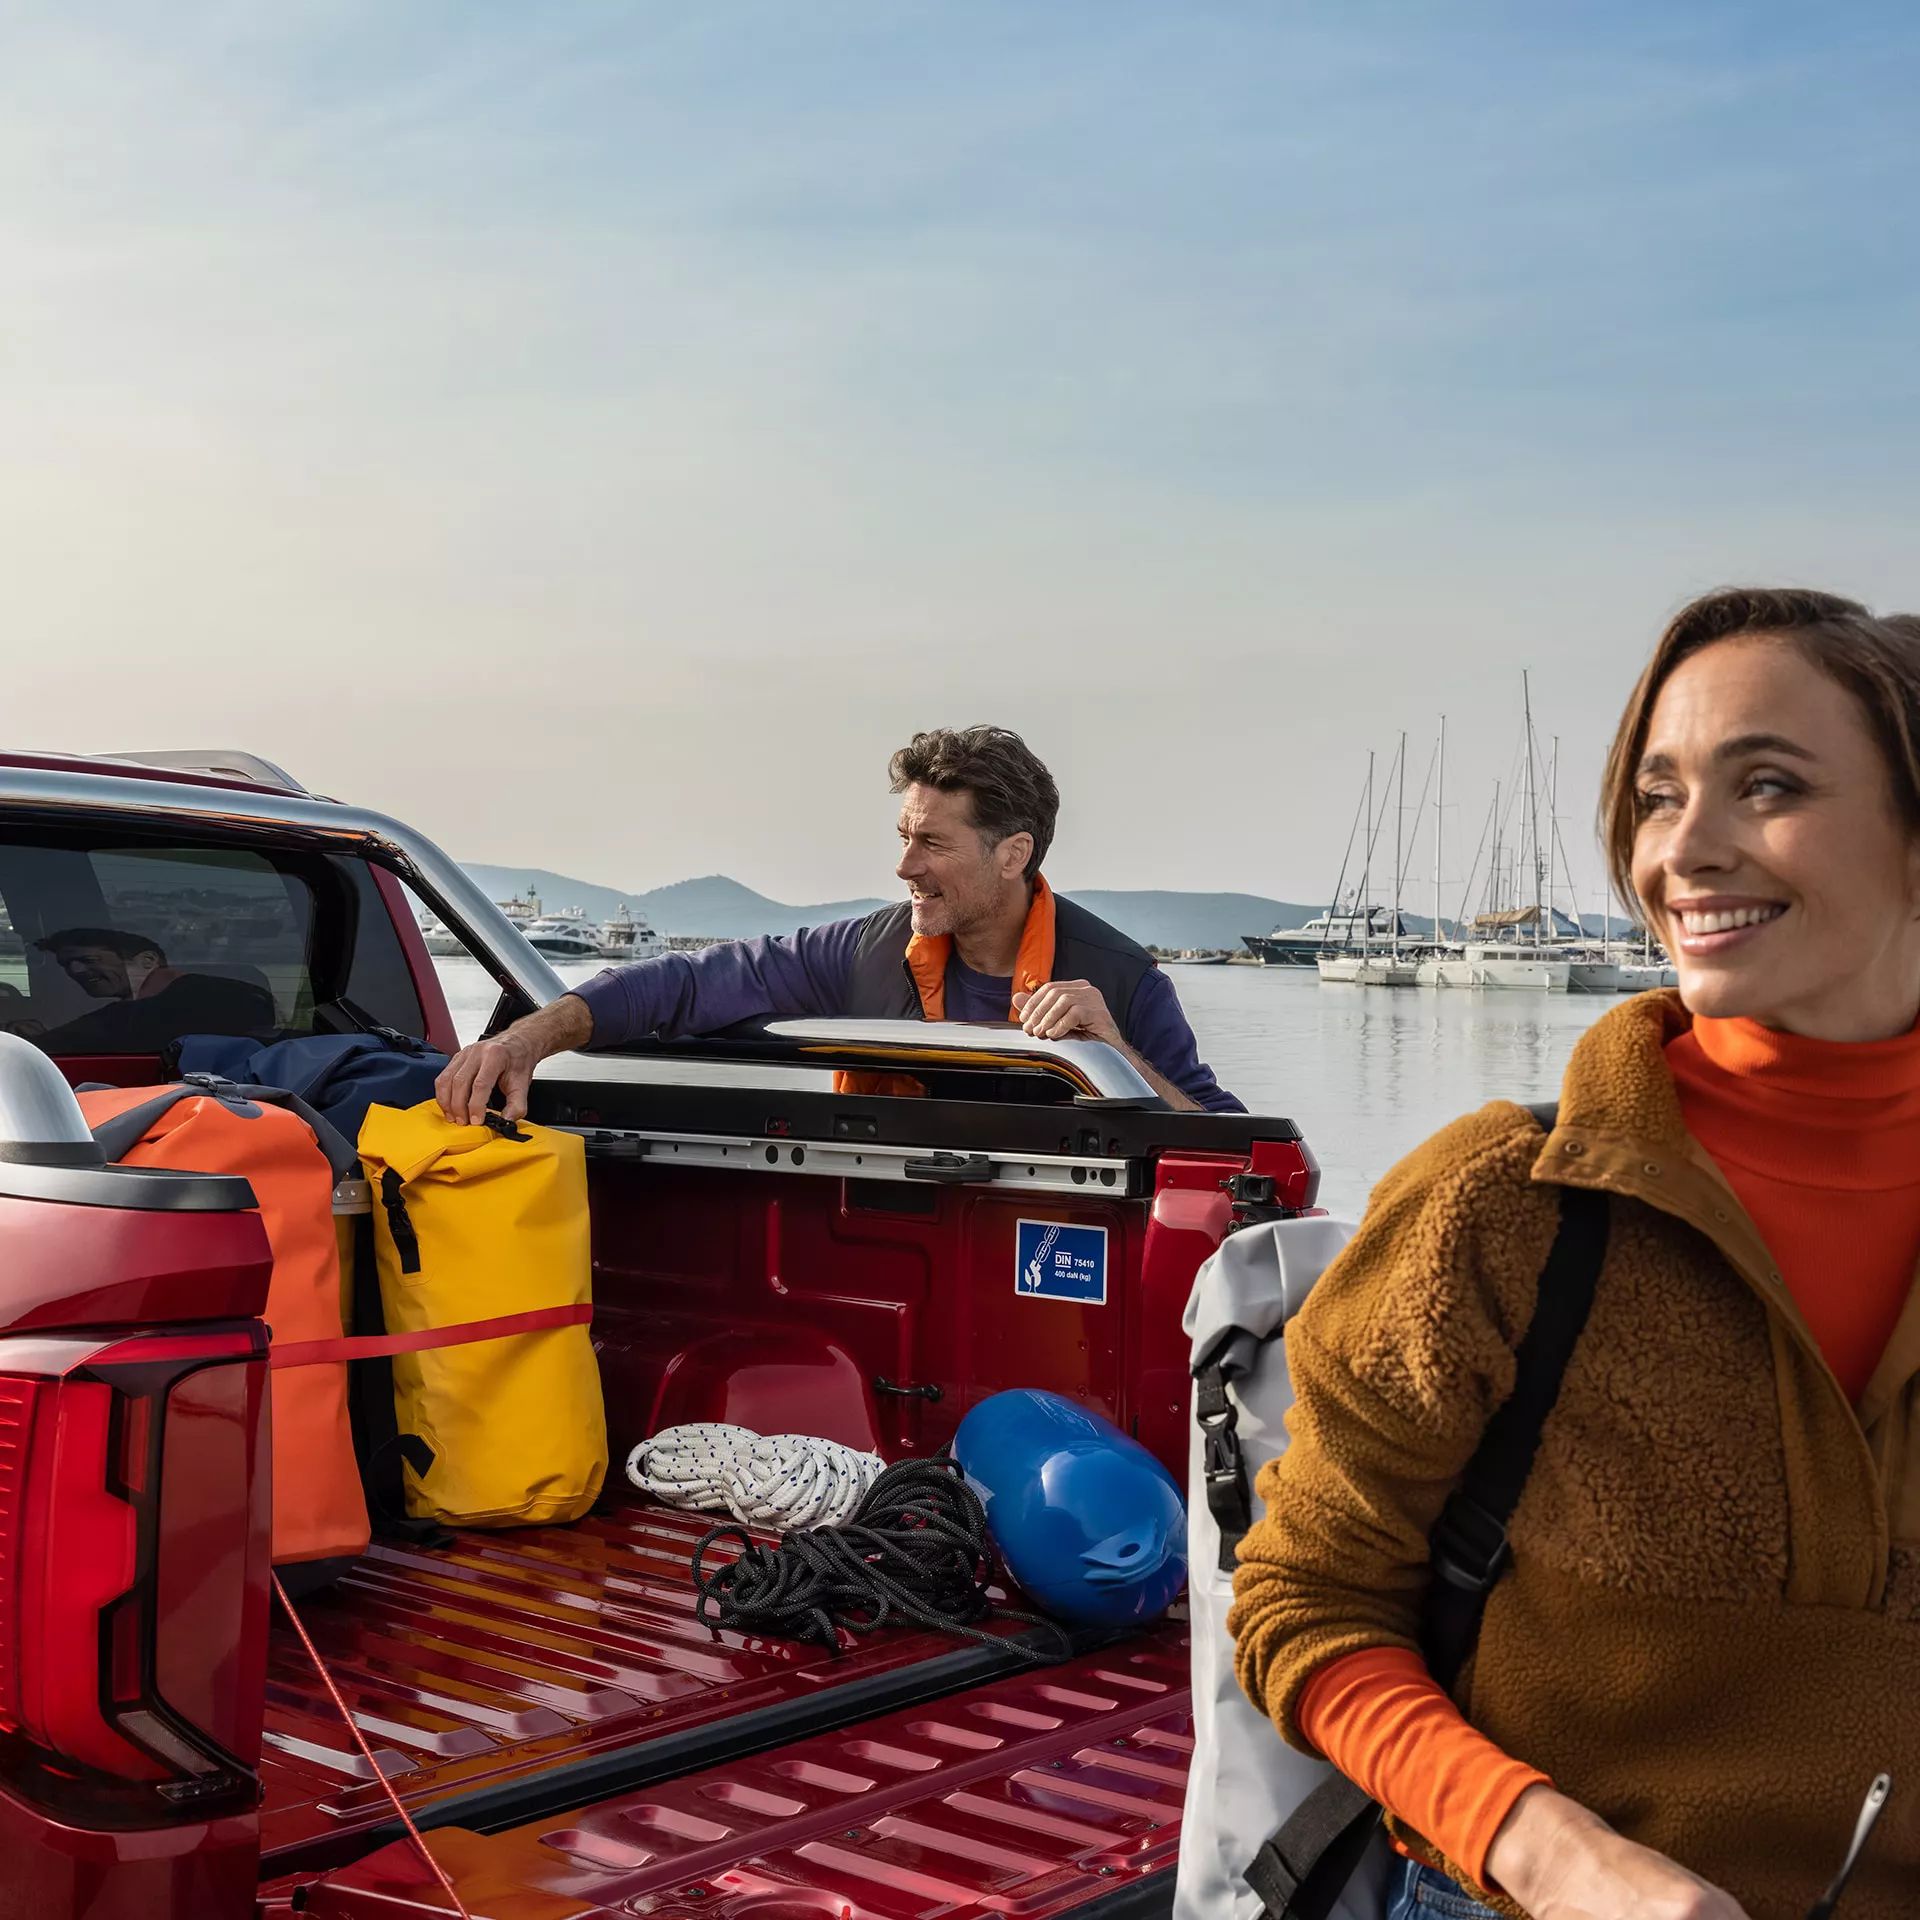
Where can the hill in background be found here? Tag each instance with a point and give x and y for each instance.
(714, 905)
(724, 909)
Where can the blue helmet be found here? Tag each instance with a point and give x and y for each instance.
(1089, 1523)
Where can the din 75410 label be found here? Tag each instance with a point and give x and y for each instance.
(1053, 1261)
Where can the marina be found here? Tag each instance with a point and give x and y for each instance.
(567, 933)
(1519, 941)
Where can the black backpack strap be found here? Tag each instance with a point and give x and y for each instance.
(1231, 1356)
(1469, 1543)
(116, 1138)
(378, 1442)
(342, 1157)
(1303, 1869)
(1300, 1872)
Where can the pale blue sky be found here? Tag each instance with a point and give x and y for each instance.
(601, 433)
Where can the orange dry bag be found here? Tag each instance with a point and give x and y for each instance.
(319, 1510)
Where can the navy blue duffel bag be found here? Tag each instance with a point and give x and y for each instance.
(340, 1075)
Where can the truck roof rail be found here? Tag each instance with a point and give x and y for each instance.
(1095, 1071)
(226, 761)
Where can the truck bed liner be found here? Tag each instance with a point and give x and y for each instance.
(1052, 1791)
(474, 1668)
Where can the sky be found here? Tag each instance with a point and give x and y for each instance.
(600, 434)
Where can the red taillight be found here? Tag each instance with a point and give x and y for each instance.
(16, 1417)
(133, 1568)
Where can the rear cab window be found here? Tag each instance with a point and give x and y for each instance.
(111, 945)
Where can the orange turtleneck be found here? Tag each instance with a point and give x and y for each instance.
(1820, 1141)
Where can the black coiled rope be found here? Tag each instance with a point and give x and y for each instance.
(914, 1550)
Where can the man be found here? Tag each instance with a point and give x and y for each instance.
(148, 1003)
(981, 936)
(109, 964)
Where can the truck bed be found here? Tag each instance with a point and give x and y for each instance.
(1052, 1791)
(544, 1667)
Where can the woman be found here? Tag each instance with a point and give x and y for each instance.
(1708, 1641)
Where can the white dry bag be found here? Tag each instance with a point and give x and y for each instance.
(1244, 1779)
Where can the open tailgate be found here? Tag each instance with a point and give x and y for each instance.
(1049, 1792)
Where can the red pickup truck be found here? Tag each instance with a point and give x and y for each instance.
(543, 1702)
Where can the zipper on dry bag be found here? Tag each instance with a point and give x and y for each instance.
(406, 1242)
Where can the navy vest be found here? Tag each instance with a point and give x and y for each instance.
(880, 986)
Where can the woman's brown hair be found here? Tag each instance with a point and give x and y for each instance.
(1877, 660)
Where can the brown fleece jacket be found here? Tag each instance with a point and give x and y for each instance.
(1710, 1633)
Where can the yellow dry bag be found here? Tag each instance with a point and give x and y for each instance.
(486, 1279)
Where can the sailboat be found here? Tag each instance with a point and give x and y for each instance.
(1384, 966)
(1590, 965)
(1509, 947)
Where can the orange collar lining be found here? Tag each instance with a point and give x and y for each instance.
(928, 955)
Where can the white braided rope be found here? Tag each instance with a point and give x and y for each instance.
(778, 1480)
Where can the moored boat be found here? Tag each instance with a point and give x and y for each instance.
(626, 936)
(1498, 966)
(1346, 929)
(1386, 969)
(440, 939)
(566, 935)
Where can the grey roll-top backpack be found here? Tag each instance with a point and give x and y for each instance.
(1270, 1833)
(1244, 1779)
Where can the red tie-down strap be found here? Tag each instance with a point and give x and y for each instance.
(375, 1346)
(360, 1740)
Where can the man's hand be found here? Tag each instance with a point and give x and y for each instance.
(1064, 1009)
(1074, 1009)
(507, 1061)
(1561, 1862)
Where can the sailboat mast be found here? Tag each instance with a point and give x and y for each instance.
(1366, 870)
(1399, 822)
(1553, 833)
(1495, 877)
(1533, 811)
(1439, 806)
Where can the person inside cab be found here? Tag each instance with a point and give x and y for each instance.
(145, 1003)
(980, 937)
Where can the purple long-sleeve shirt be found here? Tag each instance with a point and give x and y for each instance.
(807, 973)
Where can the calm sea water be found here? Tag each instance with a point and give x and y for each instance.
(1367, 1073)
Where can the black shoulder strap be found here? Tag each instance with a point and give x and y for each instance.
(1470, 1550)
(1229, 1358)
(1299, 1873)
(116, 1138)
(119, 1136)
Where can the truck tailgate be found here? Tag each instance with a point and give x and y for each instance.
(1038, 1794)
(562, 1657)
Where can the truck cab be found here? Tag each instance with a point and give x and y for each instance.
(541, 1703)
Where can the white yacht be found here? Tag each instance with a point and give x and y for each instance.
(1339, 930)
(441, 940)
(625, 936)
(1590, 969)
(1506, 964)
(1642, 976)
(566, 935)
(1383, 969)
(1497, 954)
